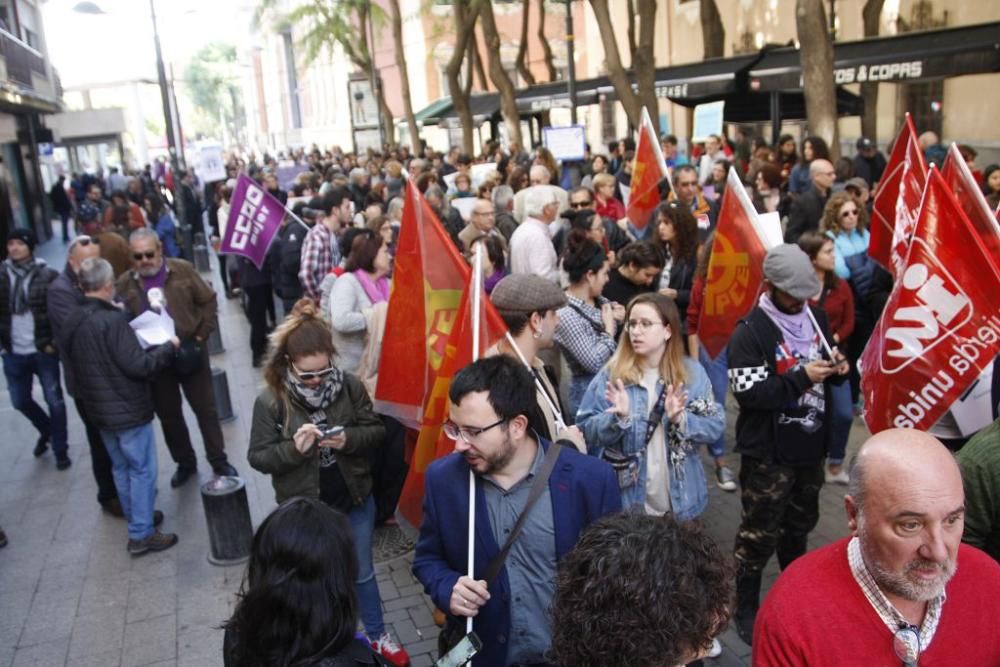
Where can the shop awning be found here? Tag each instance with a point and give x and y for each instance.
(916, 56)
(484, 106)
(704, 81)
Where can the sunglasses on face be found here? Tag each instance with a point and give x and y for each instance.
(849, 214)
(579, 204)
(149, 254)
(313, 375)
(84, 240)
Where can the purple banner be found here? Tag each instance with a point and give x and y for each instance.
(254, 219)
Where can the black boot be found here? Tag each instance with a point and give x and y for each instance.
(747, 603)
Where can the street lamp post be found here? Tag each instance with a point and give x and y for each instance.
(161, 74)
(570, 65)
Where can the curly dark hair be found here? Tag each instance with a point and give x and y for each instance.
(685, 245)
(642, 591)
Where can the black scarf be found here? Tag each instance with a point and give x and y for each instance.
(22, 276)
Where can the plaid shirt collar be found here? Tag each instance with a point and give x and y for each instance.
(885, 609)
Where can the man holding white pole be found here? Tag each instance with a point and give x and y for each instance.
(532, 497)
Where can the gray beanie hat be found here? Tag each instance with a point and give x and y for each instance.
(789, 268)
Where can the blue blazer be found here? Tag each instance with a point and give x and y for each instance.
(582, 489)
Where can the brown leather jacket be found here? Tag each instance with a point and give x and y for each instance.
(190, 300)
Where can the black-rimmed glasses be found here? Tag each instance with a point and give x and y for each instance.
(454, 431)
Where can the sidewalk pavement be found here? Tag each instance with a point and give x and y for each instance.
(71, 595)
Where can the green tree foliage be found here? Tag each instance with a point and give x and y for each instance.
(211, 81)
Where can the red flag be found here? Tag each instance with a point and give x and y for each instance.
(428, 337)
(941, 325)
(648, 170)
(736, 267)
(897, 200)
(956, 174)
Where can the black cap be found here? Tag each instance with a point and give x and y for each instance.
(864, 143)
(24, 235)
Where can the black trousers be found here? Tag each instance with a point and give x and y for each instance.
(388, 470)
(99, 459)
(200, 395)
(260, 303)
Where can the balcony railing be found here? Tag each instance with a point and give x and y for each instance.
(21, 62)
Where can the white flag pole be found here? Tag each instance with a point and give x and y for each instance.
(477, 289)
(819, 332)
(556, 412)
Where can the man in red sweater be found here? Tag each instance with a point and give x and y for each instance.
(903, 589)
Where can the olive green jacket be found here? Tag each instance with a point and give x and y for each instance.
(272, 450)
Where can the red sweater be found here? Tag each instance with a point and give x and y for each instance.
(817, 615)
(839, 307)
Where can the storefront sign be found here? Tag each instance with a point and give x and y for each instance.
(884, 72)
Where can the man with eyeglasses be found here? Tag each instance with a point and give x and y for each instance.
(64, 296)
(482, 221)
(581, 203)
(687, 191)
(494, 438)
(807, 208)
(902, 589)
(173, 284)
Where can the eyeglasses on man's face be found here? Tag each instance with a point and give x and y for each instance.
(149, 254)
(466, 433)
(580, 204)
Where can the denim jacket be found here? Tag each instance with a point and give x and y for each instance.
(601, 429)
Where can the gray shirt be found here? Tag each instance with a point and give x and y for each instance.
(531, 563)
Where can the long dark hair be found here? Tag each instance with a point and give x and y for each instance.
(297, 602)
(685, 246)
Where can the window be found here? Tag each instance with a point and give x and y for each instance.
(32, 39)
(924, 101)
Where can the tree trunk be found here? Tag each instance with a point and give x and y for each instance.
(499, 76)
(816, 53)
(367, 64)
(480, 71)
(630, 31)
(465, 23)
(522, 47)
(869, 90)
(546, 49)
(644, 63)
(613, 63)
(713, 33)
(404, 76)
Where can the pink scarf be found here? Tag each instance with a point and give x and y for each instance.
(377, 291)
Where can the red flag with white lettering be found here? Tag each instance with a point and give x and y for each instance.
(956, 174)
(941, 324)
(648, 170)
(897, 200)
(736, 267)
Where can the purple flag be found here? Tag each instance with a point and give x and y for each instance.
(254, 219)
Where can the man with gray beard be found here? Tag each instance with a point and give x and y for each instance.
(902, 588)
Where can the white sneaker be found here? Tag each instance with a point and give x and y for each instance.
(725, 478)
(715, 650)
(838, 478)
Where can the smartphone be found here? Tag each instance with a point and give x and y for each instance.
(331, 432)
(462, 653)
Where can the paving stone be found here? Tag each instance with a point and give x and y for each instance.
(151, 640)
(44, 654)
(147, 599)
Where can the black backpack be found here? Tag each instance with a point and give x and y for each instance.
(286, 278)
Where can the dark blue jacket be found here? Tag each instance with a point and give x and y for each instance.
(582, 489)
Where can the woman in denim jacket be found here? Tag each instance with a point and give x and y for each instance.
(649, 410)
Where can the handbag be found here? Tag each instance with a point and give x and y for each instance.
(626, 466)
(454, 628)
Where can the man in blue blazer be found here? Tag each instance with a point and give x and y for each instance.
(492, 407)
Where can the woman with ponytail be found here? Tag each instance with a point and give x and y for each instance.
(588, 323)
(313, 429)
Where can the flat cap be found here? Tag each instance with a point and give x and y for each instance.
(526, 293)
(788, 268)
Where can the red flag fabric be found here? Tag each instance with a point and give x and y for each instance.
(428, 337)
(956, 174)
(941, 324)
(648, 170)
(736, 267)
(897, 200)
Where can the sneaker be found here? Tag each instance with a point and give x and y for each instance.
(41, 446)
(838, 477)
(389, 648)
(715, 650)
(156, 542)
(725, 479)
(63, 462)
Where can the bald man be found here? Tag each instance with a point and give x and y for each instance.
(63, 297)
(482, 221)
(902, 588)
(807, 208)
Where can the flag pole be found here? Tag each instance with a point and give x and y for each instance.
(556, 412)
(819, 332)
(296, 218)
(477, 289)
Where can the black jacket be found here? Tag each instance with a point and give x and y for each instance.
(64, 297)
(111, 370)
(681, 279)
(38, 290)
(804, 214)
(777, 421)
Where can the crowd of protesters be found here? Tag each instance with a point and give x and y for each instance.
(582, 429)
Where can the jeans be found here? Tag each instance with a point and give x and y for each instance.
(20, 370)
(370, 601)
(718, 374)
(99, 459)
(841, 419)
(133, 461)
(577, 388)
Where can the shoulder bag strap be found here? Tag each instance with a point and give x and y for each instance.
(537, 488)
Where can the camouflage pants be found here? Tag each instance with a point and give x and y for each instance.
(780, 508)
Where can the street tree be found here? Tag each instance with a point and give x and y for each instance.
(498, 75)
(550, 65)
(522, 46)
(870, 16)
(210, 79)
(643, 64)
(713, 33)
(816, 54)
(404, 76)
(466, 15)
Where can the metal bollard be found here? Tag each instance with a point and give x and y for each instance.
(223, 404)
(201, 261)
(215, 342)
(227, 515)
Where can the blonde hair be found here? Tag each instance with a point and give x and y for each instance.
(600, 180)
(624, 364)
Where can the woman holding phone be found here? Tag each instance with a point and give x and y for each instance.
(313, 427)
